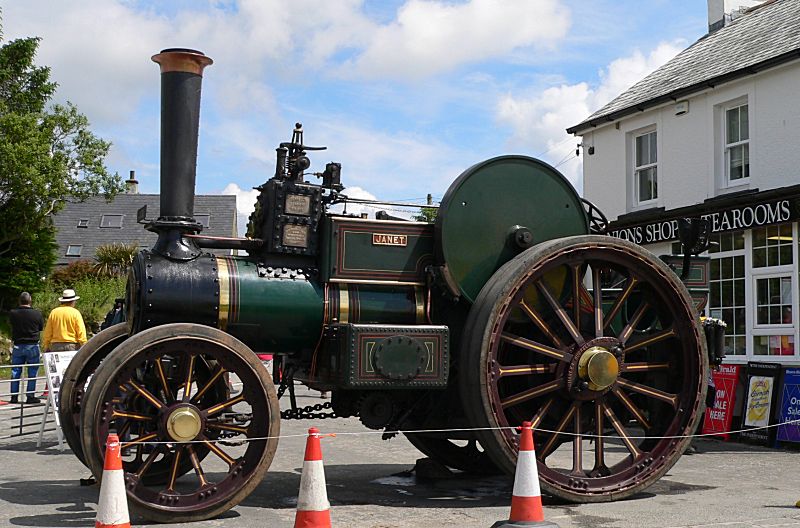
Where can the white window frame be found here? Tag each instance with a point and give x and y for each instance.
(636, 169)
(203, 216)
(727, 146)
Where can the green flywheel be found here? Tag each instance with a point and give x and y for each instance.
(486, 212)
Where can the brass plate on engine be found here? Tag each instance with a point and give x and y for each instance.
(298, 204)
(295, 235)
(386, 239)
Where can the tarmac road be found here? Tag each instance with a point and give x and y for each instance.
(370, 484)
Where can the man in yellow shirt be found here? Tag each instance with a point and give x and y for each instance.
(65, 329)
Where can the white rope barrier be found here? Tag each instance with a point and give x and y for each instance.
(463, 429)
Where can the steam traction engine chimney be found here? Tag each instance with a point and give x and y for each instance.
(181, 80)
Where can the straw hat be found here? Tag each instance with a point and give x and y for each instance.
(68, 296)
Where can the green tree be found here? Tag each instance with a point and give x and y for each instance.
(47, 155)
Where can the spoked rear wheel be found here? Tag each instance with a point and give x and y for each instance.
(598, 344)
(164, 391)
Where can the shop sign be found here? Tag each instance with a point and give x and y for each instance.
(790, 406)
(718, 418)
(733, 219)
(761, 396)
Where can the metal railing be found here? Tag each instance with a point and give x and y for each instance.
(23, 419)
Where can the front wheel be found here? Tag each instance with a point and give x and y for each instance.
(597, 343)
(165, 391)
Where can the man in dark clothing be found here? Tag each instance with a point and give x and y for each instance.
(115, 315)
(26, 324)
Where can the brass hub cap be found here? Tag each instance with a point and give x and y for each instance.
(598, 367)
(184, 424)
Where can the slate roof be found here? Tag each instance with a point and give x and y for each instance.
(763, 37)
(221, 222)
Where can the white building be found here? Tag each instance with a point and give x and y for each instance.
(714, 133)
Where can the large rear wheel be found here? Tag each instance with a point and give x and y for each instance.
(164, 391)
(597, 343)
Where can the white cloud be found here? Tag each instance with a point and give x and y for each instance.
(431, 37)
(540, 120)
(245, 204)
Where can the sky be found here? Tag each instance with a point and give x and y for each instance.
(405, 94)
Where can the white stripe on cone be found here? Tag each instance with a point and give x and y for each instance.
(313, 495)
(112, 506)
(526, 477)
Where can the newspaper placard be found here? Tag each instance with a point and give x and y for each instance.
(55, 363)
(790, 406)
(760, 403)
(719, 417)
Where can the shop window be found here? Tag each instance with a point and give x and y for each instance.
(727, 300)
(74, 250)
(774, 301)
(773, 345)
(111, 220)
(737, 144)
(772, 246)
(723, 242)
(645, 170)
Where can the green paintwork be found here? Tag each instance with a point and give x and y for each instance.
(382, 304)
(349, 252)
(349, 358)
(276, 315)
(482, 206)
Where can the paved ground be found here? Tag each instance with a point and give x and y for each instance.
(370, 485)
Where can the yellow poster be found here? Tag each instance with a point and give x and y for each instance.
(759, 398)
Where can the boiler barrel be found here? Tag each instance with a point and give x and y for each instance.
(275, 310)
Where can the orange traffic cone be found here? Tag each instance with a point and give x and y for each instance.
(313, 508)
(526, 498)
(112, 507)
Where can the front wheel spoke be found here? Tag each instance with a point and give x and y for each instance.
(667, 397)
(187, 386)
(543, 326)
(524, 370)
(623, 434)
(644, 367)
(196, 465)
(130, 416)
(577, 446)
(653, 339)
(222, 406)
(634, 320)
(228, 427)
(173, 473)
(550, 446)
(220, 453)
(535, 346)
(147, 395)
(620, 301)
(143, 438)
(163, 378)
(219, 372)
(533, 393)
(632, 408)
(560, 312)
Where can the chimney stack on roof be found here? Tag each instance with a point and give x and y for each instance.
(132, 184)
(720, 12)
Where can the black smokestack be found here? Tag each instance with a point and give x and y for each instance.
(181, 79)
